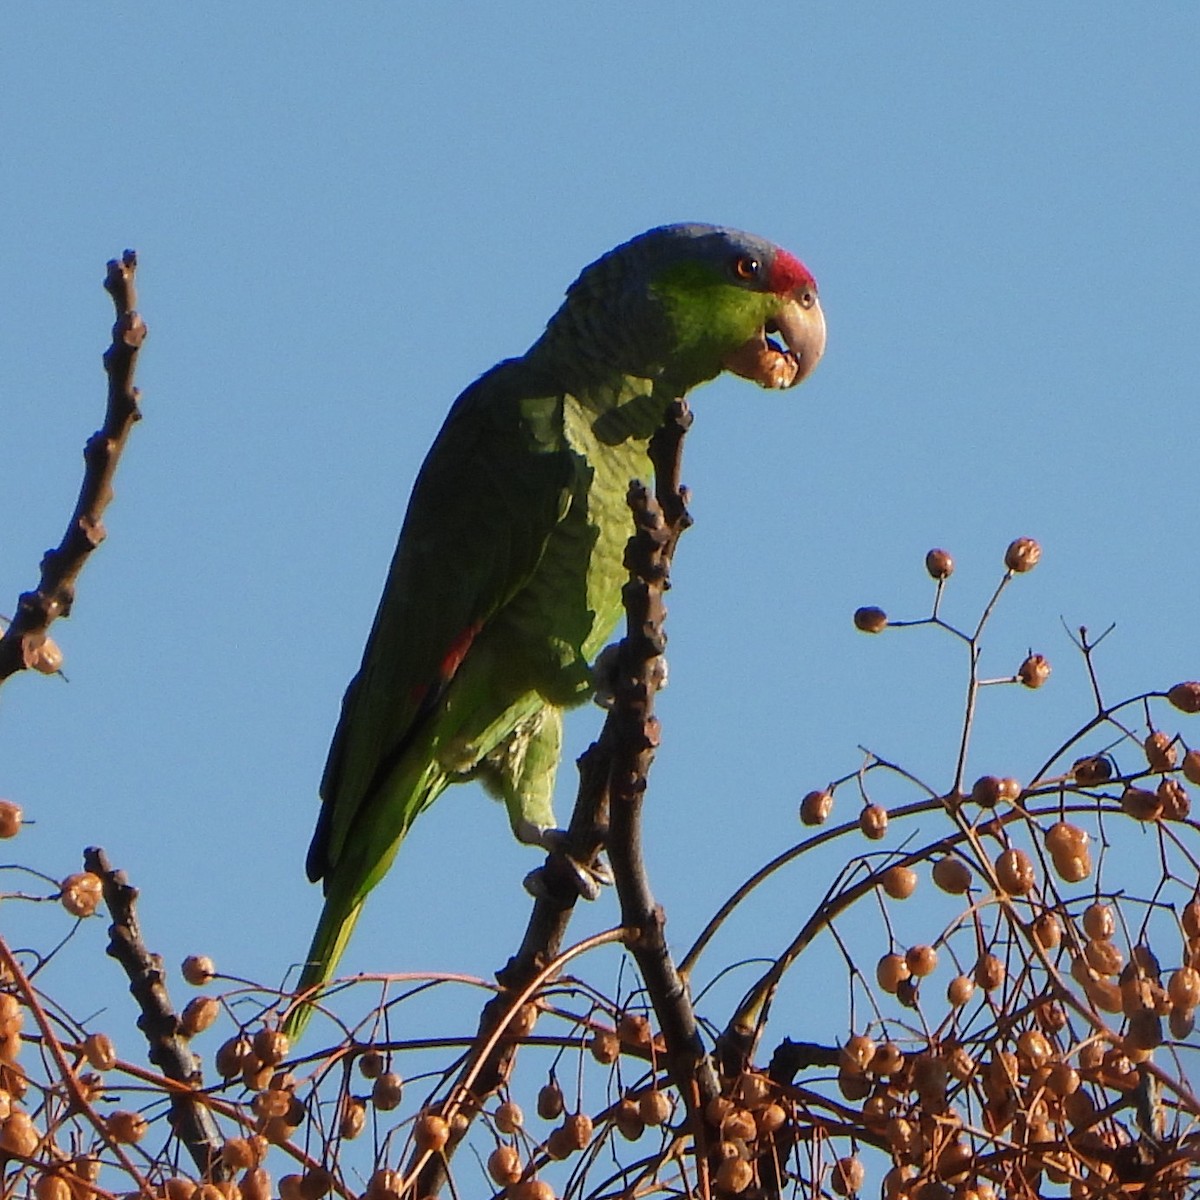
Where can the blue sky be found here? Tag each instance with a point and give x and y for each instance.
(346, 212)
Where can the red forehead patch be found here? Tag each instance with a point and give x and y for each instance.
(788, 273)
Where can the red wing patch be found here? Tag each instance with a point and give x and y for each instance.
(458, 651)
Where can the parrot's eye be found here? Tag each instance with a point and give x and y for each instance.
(746, 267)
(807, 298)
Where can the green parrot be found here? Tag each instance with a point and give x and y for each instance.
(506, 580)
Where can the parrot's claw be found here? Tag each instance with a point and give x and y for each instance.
(604, 675)
(587, 878)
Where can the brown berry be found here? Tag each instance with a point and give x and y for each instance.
(353, 1119)
(890, 971)
(550, 1101)
(816, 807)
(770, 1119)
(1191, 766)
(232, 1056)
(952, 875)
(634, 1029)
(504, 1165)
(10, 823)
(127, 1127)
(1160, 751)
(98, 1049)
(857, 1053)
(45, 656)
(654, 1107)
(1176, 803)
(199, 1014)
(198, 969)
(578, 1129)
(51, 1187)
(1141, 804)
(734, 1176)
(509, 1117)
(628, 1120)
(959, 990)
(315, 1183)
(1015, 873)
(1022, 555)
(899, 882)
(530, 1189)
(289, 1187)
(848, 1176)
(18, 1135)
(921, 960)
(605, 1047)
(1034, 671)
(939, 564)
(387, 1091)
(431, 1132)
(256, 1184)
(81, 893)
(870, 620)
(989, 972)
(1093, 770)
(1184, 987)
(888, 1060)
(1186, 697)
(1099, 921)
(738, 1125)
(873, 821)
(271, 1046)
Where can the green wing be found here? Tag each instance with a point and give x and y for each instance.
(497, 480)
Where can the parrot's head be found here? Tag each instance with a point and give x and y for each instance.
(682, 303)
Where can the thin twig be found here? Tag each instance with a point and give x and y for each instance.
(22, 643)
(169, 1051)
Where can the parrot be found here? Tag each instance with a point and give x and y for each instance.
(506, 579)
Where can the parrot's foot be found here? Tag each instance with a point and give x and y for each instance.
(586, 878)
(604, 675)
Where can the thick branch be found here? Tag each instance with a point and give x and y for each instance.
(22, 642)
(191, 1119)
(557, 882)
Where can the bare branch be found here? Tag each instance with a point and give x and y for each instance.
(21, 645)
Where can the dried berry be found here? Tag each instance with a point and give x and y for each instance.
(848, 1176)
(899, 882)
(952, 875)
(1191, 766)
(605, 1047)
(870, 620)
(654, 1107)
(198, 969)
(1015, 873)
(18, 1135)
(1099, 920)
(127, 1127)
(1093, 770)
(857, 1053)
(504, 1165)
(1022, 555)
(989, 972)
(199, 1014)
(873, 821)
(550, 1101)
(734, 1176)
(1160, 751)
(939, 564)
(1140, 804)
(315, 1183)
(890, 971)
(628, 1120)
(1034, 671)
(1176, 803)
(959, 990)
(10, 822)
(816, 807)
(387, 1091)
(353, 1119)
(1185, 696)
(509, 1117)
(81, 893)
(271, 1046)
(45, 656)
(634, 1029)
(431, 1133)
(986, 791)
(921, 961)
(98, 1049)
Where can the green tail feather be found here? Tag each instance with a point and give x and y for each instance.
(332, 935)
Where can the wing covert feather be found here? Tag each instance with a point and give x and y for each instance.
(496, 481)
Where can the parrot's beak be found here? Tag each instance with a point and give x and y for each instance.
(801, 324)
